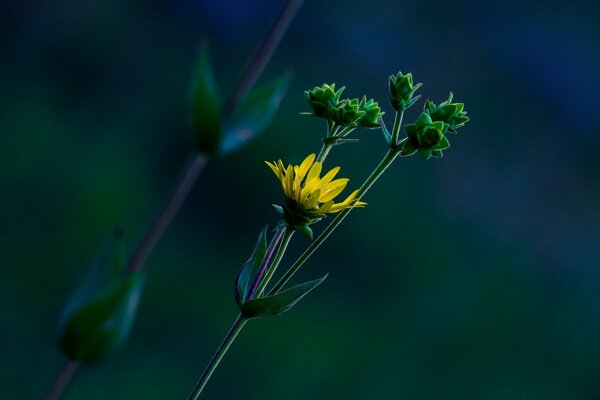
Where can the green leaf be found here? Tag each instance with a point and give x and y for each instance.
(99, 326)
(254, 114)
(206, 107)
(100, 313)
(250, 269)
(278, 303)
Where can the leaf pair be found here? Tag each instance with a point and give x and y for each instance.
(218, 134)
(250, 275)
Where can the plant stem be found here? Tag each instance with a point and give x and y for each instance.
(237, 326)
(167, 213)
(271, 270)
(264, 54)
(397, 125)
(325, 149)
(269, 253)
(62, 380)
(377, 172)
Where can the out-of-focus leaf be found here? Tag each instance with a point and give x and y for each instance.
(278, 303)
(100, 313)
(250, 269)
(206, 107)
(98, 327)
(254, 114)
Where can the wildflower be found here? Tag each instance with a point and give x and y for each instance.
(308, 197)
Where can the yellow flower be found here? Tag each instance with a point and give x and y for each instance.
(308, 196)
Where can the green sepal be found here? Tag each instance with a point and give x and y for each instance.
(279, 209)
(442, 145)
(386, 134)
(99, 315)
(250, 270)
(305, 230)
(278, 303)
(426, 153)
(407, 148)
(207, 127)
(437, 153)
(254, 114)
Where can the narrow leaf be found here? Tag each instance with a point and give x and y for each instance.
(254, 114)
(280, 302)
(250, 269)
(206, 107)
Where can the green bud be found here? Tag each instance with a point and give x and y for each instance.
(451, 114)
(426, 136)
(323, 99)
(347, 113)
(402, 91)
(373, 114)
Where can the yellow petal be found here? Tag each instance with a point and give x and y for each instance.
(352, 196)
(289, 180)
(328, 177)
(274, 169)
(297, 182)
(334, 189)
(305, 166)
(314, 172)
(308, 188)
(313, 200)
(324, 209)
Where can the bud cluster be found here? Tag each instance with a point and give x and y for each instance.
(325, 102)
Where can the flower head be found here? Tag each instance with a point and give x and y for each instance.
(426, 136)
(348, 113)
(308, 197)
(451, 114)
(402, 91)
(373, 113)
(323, 99)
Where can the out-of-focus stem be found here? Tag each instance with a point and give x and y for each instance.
(62, 380)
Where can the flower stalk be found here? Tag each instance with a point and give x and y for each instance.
(235, 329)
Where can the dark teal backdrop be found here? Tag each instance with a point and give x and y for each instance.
(471, 277)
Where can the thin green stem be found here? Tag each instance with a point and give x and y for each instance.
(397, 125)
(346, 131)
(377, 172)
(325, 149)
(333, 132)
(235, 329)
(271, 270)
(269, 253)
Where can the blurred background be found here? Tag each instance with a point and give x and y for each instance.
(471, 277)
